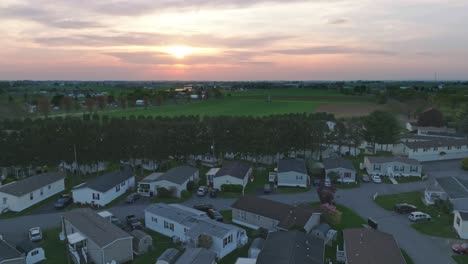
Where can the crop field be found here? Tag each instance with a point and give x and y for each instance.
(255, 103)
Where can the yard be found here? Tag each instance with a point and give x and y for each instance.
(441, 224)
(459, 259)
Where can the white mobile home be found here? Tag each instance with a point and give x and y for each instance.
(19, 195)
(177, 179)
(392, 166)
(92, 237)
(292, 173)
(32, 252)
(233, 172)
(342, 167)
(147, 186)
(435, 148)
(460, 224)
(188, 225)
(104, 189)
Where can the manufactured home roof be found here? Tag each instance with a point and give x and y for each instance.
(366, 245)
(175, 212)
(197, 256)
(210, 227)
(138, 234)
(7, 251)
(233, 168)
(296, 165)
(178, 175)
(287, 215)
(463, 215)
(393, 159)
(94, 227)
(152, 177)
(437, 142)
(338, 162)
(108, 180)
(30, 184)
(170, 255)
(292, 247)
(455, 187)
(26, 246)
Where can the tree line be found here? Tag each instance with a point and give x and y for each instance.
(102, 138)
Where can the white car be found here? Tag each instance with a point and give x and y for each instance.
(202, 191)
(419, 217)
(376, 179)
(35, 234)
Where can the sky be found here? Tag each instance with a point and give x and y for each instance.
(234, 39)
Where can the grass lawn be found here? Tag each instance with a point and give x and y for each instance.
(54, 248)
(169, 200)
(459, 259)
(288, 190)
(260, 179)
(441, 224)
(402, 180)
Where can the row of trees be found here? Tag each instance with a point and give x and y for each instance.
(101, 138)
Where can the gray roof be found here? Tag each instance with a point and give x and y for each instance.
(233, 168)
(94, 227)
(196, 256)
(292, 247)
(7, 251)
(463, 215)
(338, 162)
(178, 175)
(108, 180)
(30, 184)
(437, 142)
(138, 234)
(296, 165)
(323, 228)
(153, 177)
(258, 243)
(26, 246)
(455, 187)
(210, 227)
(287, 215)
(176, 213)
(366, 245)
(393, 159)
(170, 255)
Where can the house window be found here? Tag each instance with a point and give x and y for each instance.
(48, 187)
(395, 168)
(168, 226)
(42, 191)
(227, 240)
(35, 252)
(435, 149)
(96, 196)
(154, 219)
(5, 200)
(377, 167)
(185, 230)
(31, 196)
(458, 147)
(243, 215)
(449, 147)
(402, 168)
(122, 184)
(414, 168)
(458, 221)
(425, 149)
(298, 177)
(347, 175)
(117, 188)
(416, 150)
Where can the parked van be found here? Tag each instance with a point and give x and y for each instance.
(419, 217)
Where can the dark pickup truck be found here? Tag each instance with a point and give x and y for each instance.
(133, 222)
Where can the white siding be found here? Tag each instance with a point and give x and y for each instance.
(85, 195)
(168, 185)
(431, 154)
(460, 226)
(38, 256)
(293, 179)
(227, 179)
(18, 204)
(341, 173)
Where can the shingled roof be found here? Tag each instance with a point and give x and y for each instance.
(8, 252)
(30, 184)
(233, 168)
(393, 159)
(108, 181)
(366, 245)
(178, 175)
(337, 162)
(287, 215)
(296, 165)
(437, 142)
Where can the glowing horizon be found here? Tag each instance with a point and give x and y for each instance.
(233, 40)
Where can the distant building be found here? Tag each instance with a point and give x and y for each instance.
(292, 173)
(233, 172)
(392, 166)
(176, 179)
(343, 167)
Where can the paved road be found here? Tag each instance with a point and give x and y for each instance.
(423, 249)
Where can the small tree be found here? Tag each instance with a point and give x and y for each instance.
(43, 106)
(191, 186)
(465, 163)
(204, 241)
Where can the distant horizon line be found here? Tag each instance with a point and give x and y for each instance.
(292, 80)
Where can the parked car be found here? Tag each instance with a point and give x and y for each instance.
(63, 201)
(267, 188)
(116, 221)
(405, 208)
(460, 248)
(202, 191)
(419, 217)
(365, 178)
(213, 214)
(214, 193)
(133, 222)
(35, 234)
(376, 179)
(132, 198)
(316, 182)
(203, 207)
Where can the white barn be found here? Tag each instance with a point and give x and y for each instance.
(177, 178)
(233, 172)
(19, 195)
(104, 189)
(187, 224)
(292, 173)
(460, 224)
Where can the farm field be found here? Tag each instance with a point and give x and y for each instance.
(254, 103)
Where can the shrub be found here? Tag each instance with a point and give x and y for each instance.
(8, 180)
(261, 232)
(191, 186)
(205, 241)
(164, 192)
(444, 205)
(185, 194)
(237, 188)
(465, 163)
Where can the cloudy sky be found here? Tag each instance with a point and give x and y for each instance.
(233, 39)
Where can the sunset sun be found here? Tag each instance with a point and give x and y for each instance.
(179, 52)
